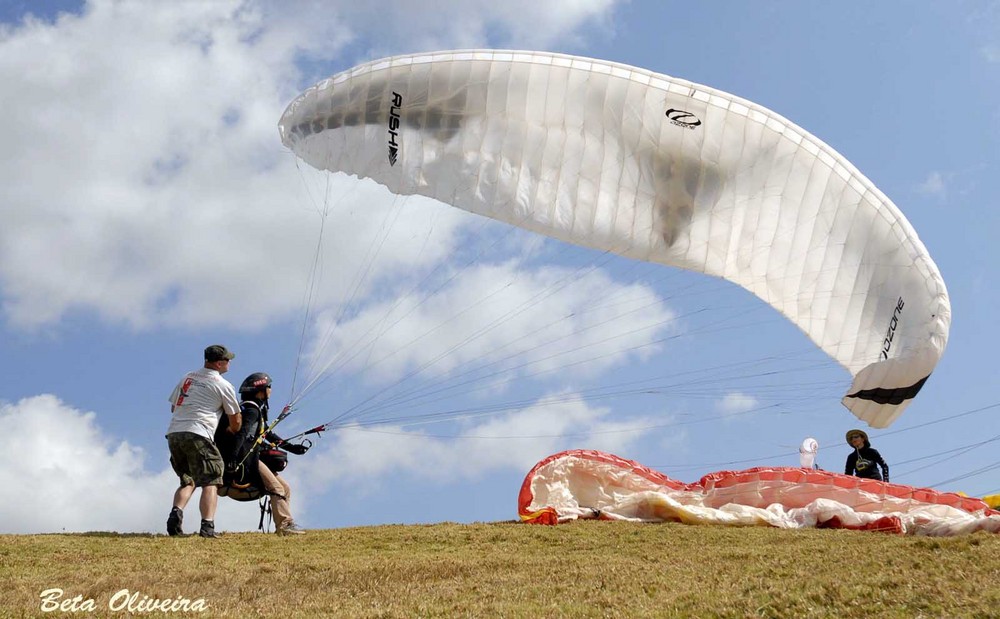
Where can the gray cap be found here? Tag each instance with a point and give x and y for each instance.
(217, 352)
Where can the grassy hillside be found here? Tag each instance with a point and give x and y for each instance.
(583, 569)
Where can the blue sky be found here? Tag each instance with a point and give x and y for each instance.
(149, 210)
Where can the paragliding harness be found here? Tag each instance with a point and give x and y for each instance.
(241, 480)
(274, 458)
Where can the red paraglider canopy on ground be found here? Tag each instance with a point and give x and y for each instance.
(592, 484)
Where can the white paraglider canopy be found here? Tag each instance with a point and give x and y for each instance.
(655, 168)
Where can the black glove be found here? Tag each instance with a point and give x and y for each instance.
(298, 450)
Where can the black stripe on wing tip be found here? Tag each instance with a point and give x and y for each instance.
(890, 396)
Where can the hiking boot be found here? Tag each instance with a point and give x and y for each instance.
(208, 529)
(174, 521)
(291, 529)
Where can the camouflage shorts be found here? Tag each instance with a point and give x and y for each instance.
(195, 459)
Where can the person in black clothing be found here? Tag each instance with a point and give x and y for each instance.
(246, 459)
(864, 461)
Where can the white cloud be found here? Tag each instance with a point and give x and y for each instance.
(67, 476)
(139, 151)
(934, 185)
(468, 450)
(991, 53)
(142, 177)
(499, 318)
(736, 402)
(456, 24)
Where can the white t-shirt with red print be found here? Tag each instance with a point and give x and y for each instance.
(199, 401)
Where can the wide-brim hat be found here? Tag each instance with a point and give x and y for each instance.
(855, 432)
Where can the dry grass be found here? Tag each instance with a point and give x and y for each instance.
(584, 569)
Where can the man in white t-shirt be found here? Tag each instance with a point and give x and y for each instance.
(198, 403)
